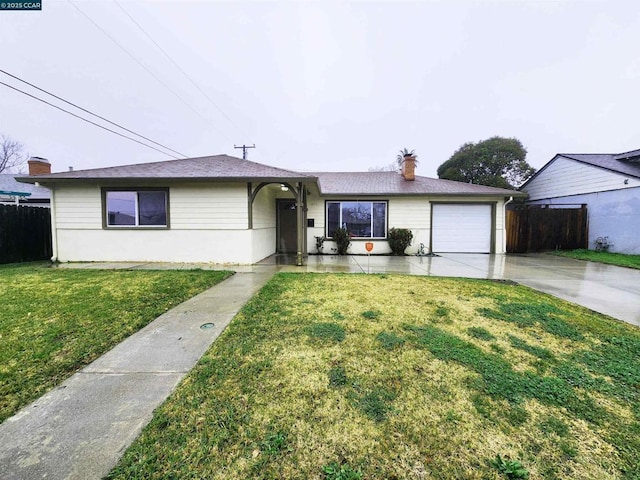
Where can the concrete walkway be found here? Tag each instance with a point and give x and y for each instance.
(80, 429)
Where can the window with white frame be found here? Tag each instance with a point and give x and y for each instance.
(362, 219)
(136, 208)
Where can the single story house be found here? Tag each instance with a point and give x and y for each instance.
(609, 184)
(14, 192)
(223, 209)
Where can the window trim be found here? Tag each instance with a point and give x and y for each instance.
(358, 200)
(105, 224)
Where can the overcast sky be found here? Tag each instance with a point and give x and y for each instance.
(333, 86)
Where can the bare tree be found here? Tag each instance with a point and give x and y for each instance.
(11, 155)
(386, 168)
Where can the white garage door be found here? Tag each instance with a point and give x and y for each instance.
(460, 228)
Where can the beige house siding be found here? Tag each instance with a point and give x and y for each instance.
(78, 207)
(209, 205)
(413, 213)
(264, 208)
(564, 177)
(263, 239)
(208, 223)
(315, 211)
(209, 246)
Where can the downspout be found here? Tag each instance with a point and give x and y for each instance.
(504, 223)
(54, 227)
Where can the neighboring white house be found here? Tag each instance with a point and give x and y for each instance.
(223, 209)
(609, 184)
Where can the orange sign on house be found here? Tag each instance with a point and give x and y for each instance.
(368, 246)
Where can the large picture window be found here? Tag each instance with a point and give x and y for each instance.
(136, 208)
(361, 219)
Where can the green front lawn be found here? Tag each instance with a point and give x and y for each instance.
(55, 321)
(388, 376)
(618, 259)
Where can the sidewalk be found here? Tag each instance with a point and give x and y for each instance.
(80, 429)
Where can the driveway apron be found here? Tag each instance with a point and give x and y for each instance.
(614, 291)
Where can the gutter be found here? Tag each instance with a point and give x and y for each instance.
(53, 179)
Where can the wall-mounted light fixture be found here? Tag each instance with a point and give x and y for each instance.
(284, 188)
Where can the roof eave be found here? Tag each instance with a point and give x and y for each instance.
(133, 180)
(515, 193)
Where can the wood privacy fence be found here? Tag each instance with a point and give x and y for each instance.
(25, 233)
(534, 228)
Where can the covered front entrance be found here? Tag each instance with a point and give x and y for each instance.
(290, 217)
(286, 226)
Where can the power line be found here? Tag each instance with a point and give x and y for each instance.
(90, 113)
(138, 61)
(178, 66)
(88, 121)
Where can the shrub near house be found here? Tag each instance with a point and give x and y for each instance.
(399, 240)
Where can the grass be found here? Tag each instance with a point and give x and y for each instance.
(618, 259)
(451, 378)
(55, 321)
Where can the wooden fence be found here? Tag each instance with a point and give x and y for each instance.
(534, 228)
(25, 233)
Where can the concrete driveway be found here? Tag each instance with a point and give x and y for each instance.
(614, 291)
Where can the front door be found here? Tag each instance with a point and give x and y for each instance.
(286, 226)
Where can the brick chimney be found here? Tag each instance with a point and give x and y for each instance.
(39, 166)
(409, 167)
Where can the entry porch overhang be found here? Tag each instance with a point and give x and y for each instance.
(299, 191)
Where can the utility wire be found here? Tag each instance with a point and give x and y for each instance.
(178, 66)
(88, 121)
(91, 113)
(138, 61)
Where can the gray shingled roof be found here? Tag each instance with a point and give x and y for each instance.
(608, 161)
(632, 156)
(8, 183)
(216, 167)
(392, 183)
(224, 167)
